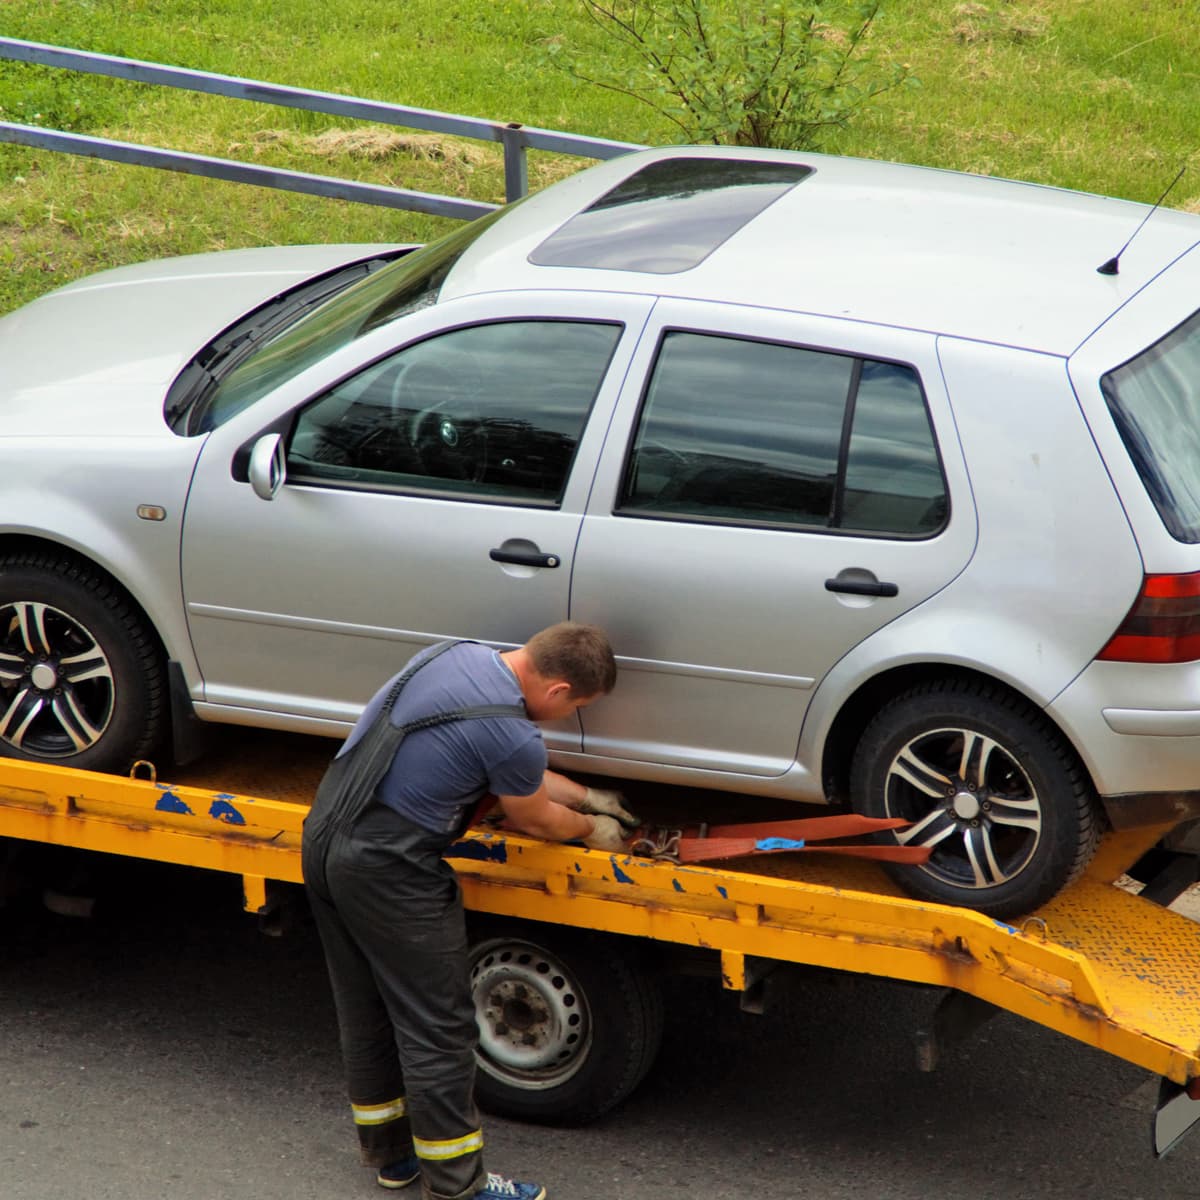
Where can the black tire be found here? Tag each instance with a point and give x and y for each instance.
(990, 783)
(82, 680)
(569, 1023)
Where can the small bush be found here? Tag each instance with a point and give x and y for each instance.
(777, 73)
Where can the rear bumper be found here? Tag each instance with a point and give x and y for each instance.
(1137, 729)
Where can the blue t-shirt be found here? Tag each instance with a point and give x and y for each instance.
(439, 773)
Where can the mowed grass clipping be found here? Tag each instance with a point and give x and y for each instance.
(1099, 95)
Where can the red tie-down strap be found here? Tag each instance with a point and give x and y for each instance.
(710, 843)
(713, 842)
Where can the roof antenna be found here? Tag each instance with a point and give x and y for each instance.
(1114, 264)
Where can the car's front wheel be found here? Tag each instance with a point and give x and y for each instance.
(989, 785)
(81, 678)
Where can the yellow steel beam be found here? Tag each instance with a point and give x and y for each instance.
(1098, 965)
(143, 819)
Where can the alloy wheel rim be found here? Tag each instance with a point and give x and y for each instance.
(971, 801)
(56, 683)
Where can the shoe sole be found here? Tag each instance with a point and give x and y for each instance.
(394, 1185)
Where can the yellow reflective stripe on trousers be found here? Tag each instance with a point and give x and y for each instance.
(378, 1114)
(451, 1148)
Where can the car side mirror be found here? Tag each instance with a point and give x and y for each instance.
(267, 470)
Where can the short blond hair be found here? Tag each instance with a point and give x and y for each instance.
(577, 654)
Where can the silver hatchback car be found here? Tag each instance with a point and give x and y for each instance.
(887, 496)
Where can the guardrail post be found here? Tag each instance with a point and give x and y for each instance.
(516, 166)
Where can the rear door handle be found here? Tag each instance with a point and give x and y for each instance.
(862, 587)
(524, 558)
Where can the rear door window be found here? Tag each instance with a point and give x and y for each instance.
(737, 431)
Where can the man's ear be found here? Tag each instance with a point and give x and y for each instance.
(557, 689)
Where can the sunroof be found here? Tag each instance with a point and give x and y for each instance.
(669, 216)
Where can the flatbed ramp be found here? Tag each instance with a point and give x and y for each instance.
(1098, 963)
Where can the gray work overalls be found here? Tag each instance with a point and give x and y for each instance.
(390, 916)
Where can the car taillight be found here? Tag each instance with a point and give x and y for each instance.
(1163, 626)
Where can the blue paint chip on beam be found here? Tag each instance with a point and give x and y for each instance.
(479, 851)
(222, 810)
(724, 894)
(172, 803)
(620, 875)
(677, 885)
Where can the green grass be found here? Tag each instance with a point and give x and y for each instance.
(1090, 94)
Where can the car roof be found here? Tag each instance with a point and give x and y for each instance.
(917, 247)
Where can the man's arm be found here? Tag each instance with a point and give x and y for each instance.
(543, 815)
(564, 791)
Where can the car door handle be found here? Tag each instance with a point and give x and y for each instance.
(862, 587)
(524, 558)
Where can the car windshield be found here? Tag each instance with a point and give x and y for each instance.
(1155, 401)
(404, 287)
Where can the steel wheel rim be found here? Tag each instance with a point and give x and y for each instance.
(971, 800)
(535, 1028)
(57, 689)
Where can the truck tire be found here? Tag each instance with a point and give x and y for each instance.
(82, 682)
(990, 784)
(569, 1023)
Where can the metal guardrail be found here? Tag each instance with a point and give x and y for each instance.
(515, 138)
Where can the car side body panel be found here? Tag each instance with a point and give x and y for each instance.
(718, 667)
(334, 587)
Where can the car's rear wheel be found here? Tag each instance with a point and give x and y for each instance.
(989, 785)
(569, 1024)
(82, 682)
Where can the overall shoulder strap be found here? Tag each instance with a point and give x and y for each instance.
(466, 714)
(414, 667)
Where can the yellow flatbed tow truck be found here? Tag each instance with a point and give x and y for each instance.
(571, 938)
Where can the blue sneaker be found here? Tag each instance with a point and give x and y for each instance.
(400, 1174)
(499, 1188)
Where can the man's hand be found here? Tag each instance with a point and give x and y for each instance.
(598, 802)
(607, 835)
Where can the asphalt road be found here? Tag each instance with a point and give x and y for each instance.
(167, 1048)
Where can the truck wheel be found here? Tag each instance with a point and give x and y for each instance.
(81, 679)
(989, 784)
(568, 1023)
